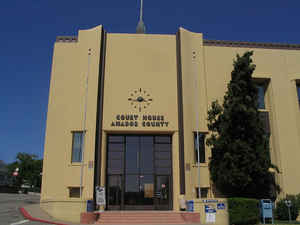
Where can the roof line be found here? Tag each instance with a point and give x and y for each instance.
(220, 43)
(242, 44)
(66, 39)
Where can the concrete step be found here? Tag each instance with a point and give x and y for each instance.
(123, 217)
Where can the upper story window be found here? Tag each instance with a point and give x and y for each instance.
(298, 93)
(261, 89)
(199, 141)
(77, 146)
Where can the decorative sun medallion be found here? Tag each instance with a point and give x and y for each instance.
(139, 99)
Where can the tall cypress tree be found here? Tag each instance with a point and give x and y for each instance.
(240, 159)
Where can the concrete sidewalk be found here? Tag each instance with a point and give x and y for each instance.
(34, 212)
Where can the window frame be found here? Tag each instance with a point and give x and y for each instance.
(262, 82)
(203, 148)
(261, 86)
(298, 92)
(73, 192)
(202, 191)
(81, 145)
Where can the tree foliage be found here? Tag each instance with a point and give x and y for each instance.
(30, 168)
(240, 160)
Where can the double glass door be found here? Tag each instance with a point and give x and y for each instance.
(139, 172)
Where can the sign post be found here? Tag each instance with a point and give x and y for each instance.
(100, 196)
(289, 204)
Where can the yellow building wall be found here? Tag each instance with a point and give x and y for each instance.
(67, 99)
(149, 62)
(281, 68)
(222, 216)
(140, 61)
(194, 108)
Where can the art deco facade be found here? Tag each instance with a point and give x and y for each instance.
(139, 100)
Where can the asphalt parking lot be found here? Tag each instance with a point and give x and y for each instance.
(9, 208)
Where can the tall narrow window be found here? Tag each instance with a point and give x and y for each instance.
(261, 90)
(77, 146)
(298, 93)
(203, 192)
(201, 141)
(264, 118)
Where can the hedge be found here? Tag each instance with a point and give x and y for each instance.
(281, 211)
(243, 211)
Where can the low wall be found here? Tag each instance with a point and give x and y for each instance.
(218, 204)
(65, 210)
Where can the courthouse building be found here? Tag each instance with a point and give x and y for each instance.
(124, 111)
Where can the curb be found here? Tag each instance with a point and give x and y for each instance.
(29, 217)
(34, 193)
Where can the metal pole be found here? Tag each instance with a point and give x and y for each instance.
(84, 124)
(289, 214)
(272, 213)
(141, 10)
(198, 153)
(197, 127)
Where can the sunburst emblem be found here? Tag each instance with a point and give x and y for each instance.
(140, 99)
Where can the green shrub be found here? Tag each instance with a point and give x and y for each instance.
(298, 201)
(243, 211)
(281, 211)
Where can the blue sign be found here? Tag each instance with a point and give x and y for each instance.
(210, 200)
(209, 209)
(220, 206)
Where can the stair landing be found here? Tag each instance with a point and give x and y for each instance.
(147, 217)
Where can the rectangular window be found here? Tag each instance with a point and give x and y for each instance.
(261, 91)
(201, 144)
(298, 93)
(74, 192)
(77, 146)
(115, 139)
(163, 139)
(203, 192)
(264, 118)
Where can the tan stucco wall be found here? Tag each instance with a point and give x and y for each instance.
(147, 62)
(281, 67)
(222, 216)
(65, 210)
(140, 61)
(194, 107)
(150, 62)
(65, 114)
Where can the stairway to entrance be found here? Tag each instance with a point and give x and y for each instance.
(146, 217)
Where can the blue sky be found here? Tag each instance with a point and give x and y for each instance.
(28, 30)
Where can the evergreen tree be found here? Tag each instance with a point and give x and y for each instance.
(240, 159)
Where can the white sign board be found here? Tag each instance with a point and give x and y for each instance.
(100, 195)
(210, 217)
(210, 214)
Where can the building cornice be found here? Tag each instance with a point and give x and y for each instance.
(219, 43)
(66, 39)
(241, 44)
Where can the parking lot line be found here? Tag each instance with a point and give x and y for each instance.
(20, 222)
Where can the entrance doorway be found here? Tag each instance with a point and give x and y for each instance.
(139, 169)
